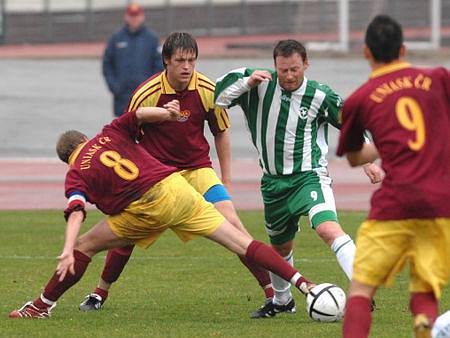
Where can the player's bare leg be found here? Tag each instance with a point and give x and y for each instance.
(341, 243)
(358, 311)
(241, 244)
(100, 238)
(117, 258)
(227, 209)
(95, 240)
(115, 262)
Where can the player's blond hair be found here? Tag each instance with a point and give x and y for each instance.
(68, 142)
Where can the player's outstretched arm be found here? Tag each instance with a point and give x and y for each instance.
(169, 112)
(368, 153)
(231, 88)
(66, 259)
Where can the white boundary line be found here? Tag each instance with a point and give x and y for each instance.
(152, 258)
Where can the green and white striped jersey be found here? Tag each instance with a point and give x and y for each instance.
(289, 129)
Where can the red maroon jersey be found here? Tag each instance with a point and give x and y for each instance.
(180, 143)
(407, 111)
(111, 170)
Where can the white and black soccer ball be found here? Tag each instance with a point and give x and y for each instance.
(326, 303)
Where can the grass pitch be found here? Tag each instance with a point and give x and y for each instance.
(174, 290)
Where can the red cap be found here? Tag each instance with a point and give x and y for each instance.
(134, 9)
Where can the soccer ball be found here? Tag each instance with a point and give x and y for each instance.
(326, 303)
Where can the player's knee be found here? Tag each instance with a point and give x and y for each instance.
(226, 208)
(230, 237)
(283, 249)
(79, 243)
(87, 250)
(329, 231)
(86, 246)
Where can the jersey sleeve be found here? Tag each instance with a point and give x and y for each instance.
(75, 191)
(351, 137)
(218, 120)
(74, 183)
(126, 123)
(332, 107)
(232, 88)
(216, 116)
(147, 94)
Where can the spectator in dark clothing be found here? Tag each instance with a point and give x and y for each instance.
(131, 56)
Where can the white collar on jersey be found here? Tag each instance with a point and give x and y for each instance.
(299, 91)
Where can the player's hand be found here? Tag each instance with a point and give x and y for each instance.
(374, 172)
(173, 107)
(66, 264)
(257, 77)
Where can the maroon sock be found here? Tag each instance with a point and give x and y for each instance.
(268, 258)
(358, 317)
(102, 293)
(261, 275)
(115, 262)
(55, 288)
(425, 303)
(268, 291)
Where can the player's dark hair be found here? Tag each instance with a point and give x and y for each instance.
(178, 40)
(286, 48)
(384, 38)
(67, 143)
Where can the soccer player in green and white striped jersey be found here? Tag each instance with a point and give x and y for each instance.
(288, 117)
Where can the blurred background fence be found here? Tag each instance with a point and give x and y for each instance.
(324, 21)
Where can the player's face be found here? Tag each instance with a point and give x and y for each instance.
(290, 71)
(180, 68)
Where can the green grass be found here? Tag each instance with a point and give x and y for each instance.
(172, 289)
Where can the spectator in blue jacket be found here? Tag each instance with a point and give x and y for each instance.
(131, 56)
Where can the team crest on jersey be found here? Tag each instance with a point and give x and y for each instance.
(303, 113)
(184, 116)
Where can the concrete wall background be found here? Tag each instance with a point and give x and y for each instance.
(317, 19)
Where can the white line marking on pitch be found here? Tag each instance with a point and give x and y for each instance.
(152, 258)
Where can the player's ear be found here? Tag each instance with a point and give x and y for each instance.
(306, 63)
(402, 51)
(166, 60)
(367, 52)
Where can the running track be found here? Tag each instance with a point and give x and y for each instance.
(39, 184)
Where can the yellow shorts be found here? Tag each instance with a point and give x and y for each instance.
(170, 204)
(384, 247)
(201, 179)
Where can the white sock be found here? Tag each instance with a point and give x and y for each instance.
(345, 248)
(282, 288)
(47, 301)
